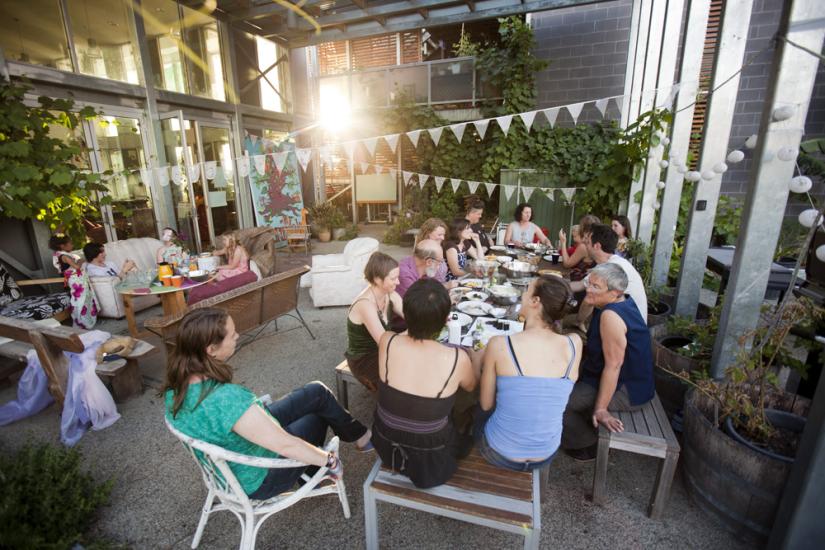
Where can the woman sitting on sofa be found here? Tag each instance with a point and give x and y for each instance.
(97, 265)
(169, 252)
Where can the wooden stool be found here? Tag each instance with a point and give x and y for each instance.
(647, 431)
(343, 376)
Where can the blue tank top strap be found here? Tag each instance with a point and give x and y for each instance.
(513, 356)
(572, 357)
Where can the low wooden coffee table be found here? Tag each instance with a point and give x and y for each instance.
(171, 299)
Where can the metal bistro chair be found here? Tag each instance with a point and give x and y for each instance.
(222, 483)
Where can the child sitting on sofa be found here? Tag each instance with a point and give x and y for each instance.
(237, 258)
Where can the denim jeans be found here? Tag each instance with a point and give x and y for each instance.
(306, 413)
(494, 457)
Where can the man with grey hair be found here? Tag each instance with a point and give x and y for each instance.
(616, 373)
(427, 260)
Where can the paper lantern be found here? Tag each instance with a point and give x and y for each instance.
(660, 185)
(787, 153)
(808, 217)
(657, 205)
(735, 156)
(664, 164)
(720, 167)
(666, 141)
(820, 253)
(682, 169)
(751, 142)
(783, 113)
(708, 175)
(693, 176)
(801, 184)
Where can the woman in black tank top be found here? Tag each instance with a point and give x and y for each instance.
(412, 430)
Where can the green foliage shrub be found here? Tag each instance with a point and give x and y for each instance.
(46, 501)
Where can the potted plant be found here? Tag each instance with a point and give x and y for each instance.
(741, 433)
(325, 216)
(640, 255)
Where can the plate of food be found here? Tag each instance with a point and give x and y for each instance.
(476, 295)
(472, 283)
(499, 247)
(504, 259)
(475, 308)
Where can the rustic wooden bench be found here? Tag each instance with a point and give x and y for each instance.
(478, 493)
(647, 431)
(343, 378)
(122, 376)
(251, 306)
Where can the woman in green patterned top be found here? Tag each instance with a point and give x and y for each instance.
(202, 402)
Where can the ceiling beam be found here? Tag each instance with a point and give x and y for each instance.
(471, 5)
(364, 29)
(273, 8)
(346, 16)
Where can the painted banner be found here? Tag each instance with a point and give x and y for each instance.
(276, 194)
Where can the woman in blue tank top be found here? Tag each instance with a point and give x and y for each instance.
(526, 381)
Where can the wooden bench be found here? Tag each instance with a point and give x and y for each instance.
(122, 376)
(647, 431)
(478, 493)
(251, 306)
(344, 377)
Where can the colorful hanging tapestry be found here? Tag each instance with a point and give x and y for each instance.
(276, 194)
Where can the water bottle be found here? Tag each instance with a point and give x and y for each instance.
(454, 330)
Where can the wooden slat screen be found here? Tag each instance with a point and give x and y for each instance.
(701, 107)
(411, 47)
(374, 51)
(332, 58)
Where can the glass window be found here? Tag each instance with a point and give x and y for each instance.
(104, 39)
(180, 198)
(203, 55)
(409, 83)
(32, 31)
(121, 150)
(163, 35)
(276, 71)
(452, 80)
(369, 89)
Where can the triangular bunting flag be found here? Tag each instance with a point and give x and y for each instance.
(439, 183)
(349, 148)
(473, 185)
(481, 127)
(364, 166)
(508, 191)
(406, 175)
(490, 187)
(260, 164)
(194, 173)
(243, 166)
(568, 193)
(280, 160)
(575, 110)
(162, 175)
(210, 168)
(601, 105)
(504, 123)
(527, 191)
(551, 115)
(370, 144)
(392, 141)
(528, 118)
(393, 173)
(414, 137)
(458, 130)
(618, 101)
(304, 155)
(551, 194)
(422, 181)
(455, 184)
(146, 177)
(435, 134)
(177, 175)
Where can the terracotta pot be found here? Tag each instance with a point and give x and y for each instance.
(324, 235)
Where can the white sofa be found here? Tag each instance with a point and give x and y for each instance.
(143, 252)
(336, 279)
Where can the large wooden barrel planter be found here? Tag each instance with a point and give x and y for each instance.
(657, 313)
(728, 480)
(670, 389)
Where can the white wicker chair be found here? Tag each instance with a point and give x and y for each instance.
(223, 484)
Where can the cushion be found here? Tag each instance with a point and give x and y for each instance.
(219, 287)
(259, 242)
(36, 308)
(9, 291)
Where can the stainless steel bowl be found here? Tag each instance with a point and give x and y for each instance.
(519, 270)
(504, 299)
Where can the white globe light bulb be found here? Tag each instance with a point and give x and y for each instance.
(657, 205)
(660, 185)
(708, 175)
(664, 164)
(665, 141)
(820, 253)
(693, 176)
(787, 153)
(801, 184)
(751, 142)
(735, 156)
(783, 113)
(681, 169)
(720, 167)
(808, 217)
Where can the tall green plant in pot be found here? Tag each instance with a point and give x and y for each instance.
(37, 171)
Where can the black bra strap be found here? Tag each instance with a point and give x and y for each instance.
(387, 361)
(447, 381)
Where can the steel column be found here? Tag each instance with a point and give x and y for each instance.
(791, 83)
(632, 47)
(733, 37)
(692, 50)
(668, 47)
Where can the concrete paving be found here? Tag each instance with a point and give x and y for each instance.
(158, 491)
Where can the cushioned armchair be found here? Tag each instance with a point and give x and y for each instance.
(143, 252)
(336, 279)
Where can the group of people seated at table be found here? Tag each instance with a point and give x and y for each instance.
(536, 390)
